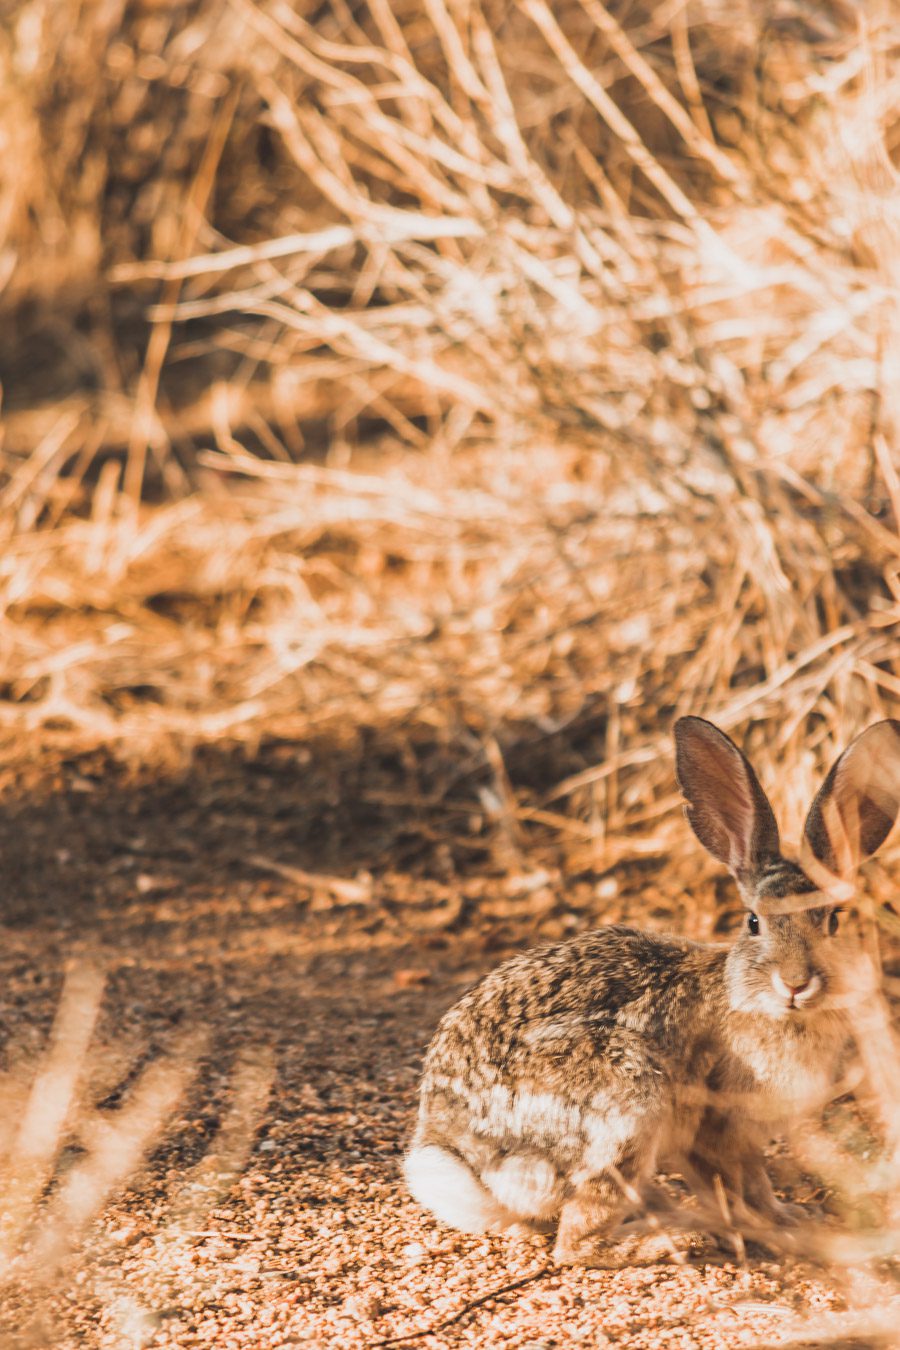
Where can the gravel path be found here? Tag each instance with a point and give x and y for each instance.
(270, 1210)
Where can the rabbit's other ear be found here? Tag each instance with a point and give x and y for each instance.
(726, 806)
(855, 808)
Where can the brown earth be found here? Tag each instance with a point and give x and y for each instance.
(271, 1211)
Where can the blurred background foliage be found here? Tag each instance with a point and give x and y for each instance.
(481, 384)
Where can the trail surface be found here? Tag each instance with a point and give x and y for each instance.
(290, 914)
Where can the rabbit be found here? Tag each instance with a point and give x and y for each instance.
(554, 1089)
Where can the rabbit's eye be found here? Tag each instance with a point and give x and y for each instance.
(753, 924)
(832, 923)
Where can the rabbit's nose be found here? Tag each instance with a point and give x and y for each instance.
(797, 989)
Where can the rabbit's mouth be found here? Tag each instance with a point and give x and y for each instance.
(797, 996)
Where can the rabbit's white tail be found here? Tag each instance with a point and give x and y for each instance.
(444, 1184)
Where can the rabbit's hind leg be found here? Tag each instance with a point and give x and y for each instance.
(599, 1203)
(586, 1218)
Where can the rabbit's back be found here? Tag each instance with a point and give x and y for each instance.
(555, 1015)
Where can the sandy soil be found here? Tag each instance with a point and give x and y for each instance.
(271, 1211)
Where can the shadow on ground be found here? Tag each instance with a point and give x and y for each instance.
(308, 912)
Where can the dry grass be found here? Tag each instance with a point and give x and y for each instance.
(63, 1157)
(595, 321)
(498, 382)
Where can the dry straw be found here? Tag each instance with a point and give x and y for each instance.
(49, 1204)
(593, 314)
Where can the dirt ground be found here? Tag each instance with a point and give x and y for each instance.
(271, 1210)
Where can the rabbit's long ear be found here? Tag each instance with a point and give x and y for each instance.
(726, 806)
(855, 808)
